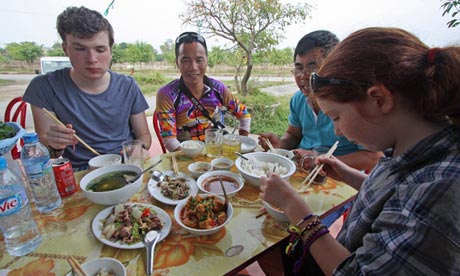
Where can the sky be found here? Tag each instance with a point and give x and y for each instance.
(154, 21)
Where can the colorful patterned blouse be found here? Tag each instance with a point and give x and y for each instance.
(177, 115)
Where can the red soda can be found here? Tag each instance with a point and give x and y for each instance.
(65, 180)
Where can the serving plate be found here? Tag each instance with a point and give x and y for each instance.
(247, 144)
(98, 223)
(155, 191)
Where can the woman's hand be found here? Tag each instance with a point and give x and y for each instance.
(280, 193)
(59, 137)
(275, 140)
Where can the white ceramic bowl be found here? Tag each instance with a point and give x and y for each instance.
(226, 177)
(199, 168)
(248, 144)
(94, 266)
(254, 180)
(104, 160)
(222, 163)
(202, 232)
(276, 214)
(283, 152)
(115, 196)
(192, 148)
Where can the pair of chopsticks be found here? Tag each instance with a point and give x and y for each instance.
(175, 168)
(56, 120)
(76, 267)
(312, 175)
(269, 144)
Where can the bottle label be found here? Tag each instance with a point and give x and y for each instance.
(10, 205)
(39, 170)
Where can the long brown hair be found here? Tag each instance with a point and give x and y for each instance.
(427, 78)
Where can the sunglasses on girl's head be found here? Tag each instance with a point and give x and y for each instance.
(316, 82)
(188, 37)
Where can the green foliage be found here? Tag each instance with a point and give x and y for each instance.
(150, 83)
(25, 51)
(452, 7)
(266, 114)
(251, 25)
(168, 52)
(56, 50)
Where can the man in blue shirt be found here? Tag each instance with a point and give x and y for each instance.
(308, 126)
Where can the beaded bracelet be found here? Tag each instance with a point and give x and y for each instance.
(296, 234)
(317, 232)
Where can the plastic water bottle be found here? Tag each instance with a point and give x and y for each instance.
(35, 158)
(17, 223)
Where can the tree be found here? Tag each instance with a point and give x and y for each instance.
(56, 50)
(454, 7)
(168, 51)
(139, 52)
(251, 25)
(25, 51)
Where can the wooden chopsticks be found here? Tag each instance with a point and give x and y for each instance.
(312, 175)
(56, 120)
(175, 168)
(76, 267)
(269, 144)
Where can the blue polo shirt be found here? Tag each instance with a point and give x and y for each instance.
(316, 130)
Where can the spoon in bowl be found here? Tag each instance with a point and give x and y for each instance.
(131, 179)
(157, 176)
(225, 194)
(150, 240)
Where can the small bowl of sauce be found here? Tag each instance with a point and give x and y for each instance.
(198, 168)
(222, 164)
(209, 183)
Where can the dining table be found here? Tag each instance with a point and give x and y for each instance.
(250, 234)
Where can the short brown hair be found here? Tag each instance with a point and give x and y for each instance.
(83, 23)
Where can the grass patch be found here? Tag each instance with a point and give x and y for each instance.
(268, 113)
(151, 82)
(6, 82)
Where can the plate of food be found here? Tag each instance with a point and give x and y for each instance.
(173, 188)
(125, 225)
(247, 144)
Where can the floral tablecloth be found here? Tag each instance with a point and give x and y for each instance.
(67, 231)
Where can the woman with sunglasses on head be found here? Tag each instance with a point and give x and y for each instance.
(186, 106)
(384, 88)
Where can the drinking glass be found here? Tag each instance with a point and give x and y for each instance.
(230, 144)
(213, 142)
(133, 153)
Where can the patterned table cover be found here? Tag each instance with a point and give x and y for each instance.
(67, 232)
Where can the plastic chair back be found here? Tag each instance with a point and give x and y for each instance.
(16, 111)
(156, 126)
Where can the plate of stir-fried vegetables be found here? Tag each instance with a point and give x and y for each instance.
(125, 225)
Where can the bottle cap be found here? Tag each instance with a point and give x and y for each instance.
(30, 138)
(3, 164)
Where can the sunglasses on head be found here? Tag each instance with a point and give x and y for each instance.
(316, 82)
(190, 37)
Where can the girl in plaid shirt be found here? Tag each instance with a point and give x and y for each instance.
(386, 90)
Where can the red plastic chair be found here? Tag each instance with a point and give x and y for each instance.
(156, 126)
(16, 111)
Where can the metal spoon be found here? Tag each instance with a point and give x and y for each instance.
(134, 178)
(150, 240)
(225, 194)
(157, 176)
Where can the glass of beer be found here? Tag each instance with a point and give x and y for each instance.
(213, 142)
(230, 144)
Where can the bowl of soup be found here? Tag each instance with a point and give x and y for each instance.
(109, 185)
(209, 183)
